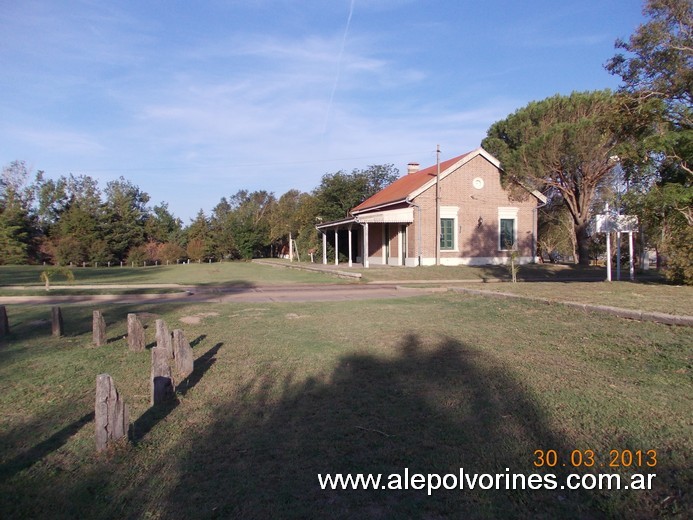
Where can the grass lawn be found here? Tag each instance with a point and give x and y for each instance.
(652, 297)
(284, 392)
(547, 272)
(224, 273)
(557, 282)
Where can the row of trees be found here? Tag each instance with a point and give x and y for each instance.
(72, 220)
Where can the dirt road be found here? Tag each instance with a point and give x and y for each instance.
(252, 293)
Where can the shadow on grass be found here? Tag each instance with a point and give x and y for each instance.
(155, 414)
(28, 322)
(545, 273)
(429, 409)
(230, 285)
(423, 409)
(197, 340)
(202, 365)
(30, 457)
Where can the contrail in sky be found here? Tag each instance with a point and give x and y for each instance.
(339, 67)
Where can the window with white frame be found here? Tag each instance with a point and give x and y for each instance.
(507, 228)
(447, 234)
(448, 228)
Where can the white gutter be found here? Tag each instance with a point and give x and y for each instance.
(418, 228)
(383, 205)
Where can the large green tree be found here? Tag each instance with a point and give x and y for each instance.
(198, 237)
(565, 146)
(162, 226)
(70, 216)
(221, 225)
(125, 216)
(16, 223)
(250, 223)
(657, 65)
(339, 192)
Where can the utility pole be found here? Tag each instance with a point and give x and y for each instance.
(438, 204)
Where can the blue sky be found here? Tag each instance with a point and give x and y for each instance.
(192, 101)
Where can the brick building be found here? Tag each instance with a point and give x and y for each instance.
(480, 223)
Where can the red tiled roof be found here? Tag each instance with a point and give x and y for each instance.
(404, 186)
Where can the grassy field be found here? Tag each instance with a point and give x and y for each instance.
(284, 392)
(226, 273)
(565, 281)
(546, 272)
(557, 282)
(652, 297)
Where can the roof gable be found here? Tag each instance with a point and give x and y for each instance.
(413, 184)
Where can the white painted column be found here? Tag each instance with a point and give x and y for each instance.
(631, 260)
(336, 248)
(618, 256)
(365, 244)
(350, 263)
(324, 248)
(291, 248)
(608, 257)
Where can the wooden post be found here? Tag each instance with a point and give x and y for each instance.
(161, 381)
(4, 323)
(164, 340)
(135, 333)
(183, 353)
(56, 322)
(110, 412)
(98, 325)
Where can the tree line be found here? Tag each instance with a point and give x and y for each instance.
(73, 220)
(631, 149)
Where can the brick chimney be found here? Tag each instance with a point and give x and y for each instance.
(412, 167)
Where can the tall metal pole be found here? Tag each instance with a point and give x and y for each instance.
(438, 204)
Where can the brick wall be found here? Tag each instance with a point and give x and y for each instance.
(457, 191)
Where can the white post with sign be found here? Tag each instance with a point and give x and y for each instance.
(608, 223)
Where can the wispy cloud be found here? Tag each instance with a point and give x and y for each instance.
(59, 142)
(196, 101)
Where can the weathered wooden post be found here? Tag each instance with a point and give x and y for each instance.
(162, 381)
(56, 322)
(163, 338)
(135, 333)
(183, 353)
(110, 412)
(98, 325)
(4, 323)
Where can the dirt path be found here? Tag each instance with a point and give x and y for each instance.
(262, 293)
